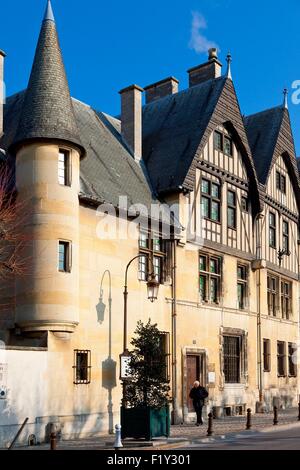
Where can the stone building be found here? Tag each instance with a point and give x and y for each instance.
(228, 272)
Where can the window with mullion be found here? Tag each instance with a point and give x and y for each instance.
(209, 278)
(151, 249)
(210, 200)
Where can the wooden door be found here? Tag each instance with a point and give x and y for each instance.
(193, 373)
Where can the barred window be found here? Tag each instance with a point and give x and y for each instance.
(231, 209)
(209, 278)
(152, 249)
(286, 299)
(272, 230)
(210, 200)
(281, 359)
(292, 360)
(267, 355)
(242, 286)
(232, 359)
(272, 292)
(82, 366)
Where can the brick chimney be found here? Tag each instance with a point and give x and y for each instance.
(160, 89)
(131, 119)
(2, 90)
(203, 72)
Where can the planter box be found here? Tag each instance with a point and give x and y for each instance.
(145, 422)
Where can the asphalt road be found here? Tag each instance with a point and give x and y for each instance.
(275, 440)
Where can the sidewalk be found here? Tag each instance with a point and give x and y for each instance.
(224, 428)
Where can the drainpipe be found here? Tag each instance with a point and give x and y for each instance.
(174, 342)
(257, 221)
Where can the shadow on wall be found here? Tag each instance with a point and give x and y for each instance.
(109, 366)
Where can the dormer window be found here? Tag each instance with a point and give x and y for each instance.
(64, 169)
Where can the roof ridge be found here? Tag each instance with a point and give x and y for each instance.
(264, 111)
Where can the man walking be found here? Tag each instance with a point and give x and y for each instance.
(198, 395)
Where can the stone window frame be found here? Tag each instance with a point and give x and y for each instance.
(244, 375)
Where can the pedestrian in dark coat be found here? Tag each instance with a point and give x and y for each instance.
(198, 395)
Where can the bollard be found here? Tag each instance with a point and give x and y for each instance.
(275, 422)
(118, 442)
(299, 411)
(210, 425)
(249, 423)
(53, 441)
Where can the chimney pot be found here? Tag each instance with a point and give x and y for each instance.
(131, 118)
(165, 87)
(207, 71)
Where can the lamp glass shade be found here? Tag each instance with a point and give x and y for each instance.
(152, 287)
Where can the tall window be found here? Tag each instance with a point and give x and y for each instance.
(151, 247)
(218, 141)
(164, 339)
(232, 358)
(228, 146)
(286, 299)
(267, 355)
(242, 275)
(280, 182)
(285, 236)
(231, 209)
(272, 230)
(64, 256)
(82, 366)
(210, 200)
(272, 289)
(292, 360)
(281, 359)
(209, 278)
(244, 204)
(64, 170)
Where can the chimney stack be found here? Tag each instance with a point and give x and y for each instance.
(131, 119)
(203, 72)
(2, 90)
(168, 86)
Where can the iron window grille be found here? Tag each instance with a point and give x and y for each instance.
(272, 230)
(231, 209)
(210, 200)
(232, 359)
(272, 294)
(292, 357)
(267, 355)
(82, 366)
(286, 299)
(209, 278)
(242, 286)
(64, 168)
(152, 247)
(64, 256)
(281, 359)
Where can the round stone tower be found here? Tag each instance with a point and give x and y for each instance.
(48, 149)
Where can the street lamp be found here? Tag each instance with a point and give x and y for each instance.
(152, 290)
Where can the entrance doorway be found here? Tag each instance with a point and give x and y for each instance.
(195, 364)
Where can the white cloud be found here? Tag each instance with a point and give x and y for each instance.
(198, 41)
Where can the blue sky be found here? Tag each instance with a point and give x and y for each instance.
(109, 45)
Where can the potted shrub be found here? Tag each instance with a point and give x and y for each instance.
(145, 410)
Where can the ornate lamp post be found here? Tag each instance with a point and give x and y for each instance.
(152, 289)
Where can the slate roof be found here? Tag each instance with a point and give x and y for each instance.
(48, 110)
(262, 132)
(109, 170)
(172, 130)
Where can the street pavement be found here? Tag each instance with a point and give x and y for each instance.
(287, 439)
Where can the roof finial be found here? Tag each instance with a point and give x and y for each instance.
(285, 99)
(229, 60)
(49, 12)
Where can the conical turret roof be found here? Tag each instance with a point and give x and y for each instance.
(48, 110)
